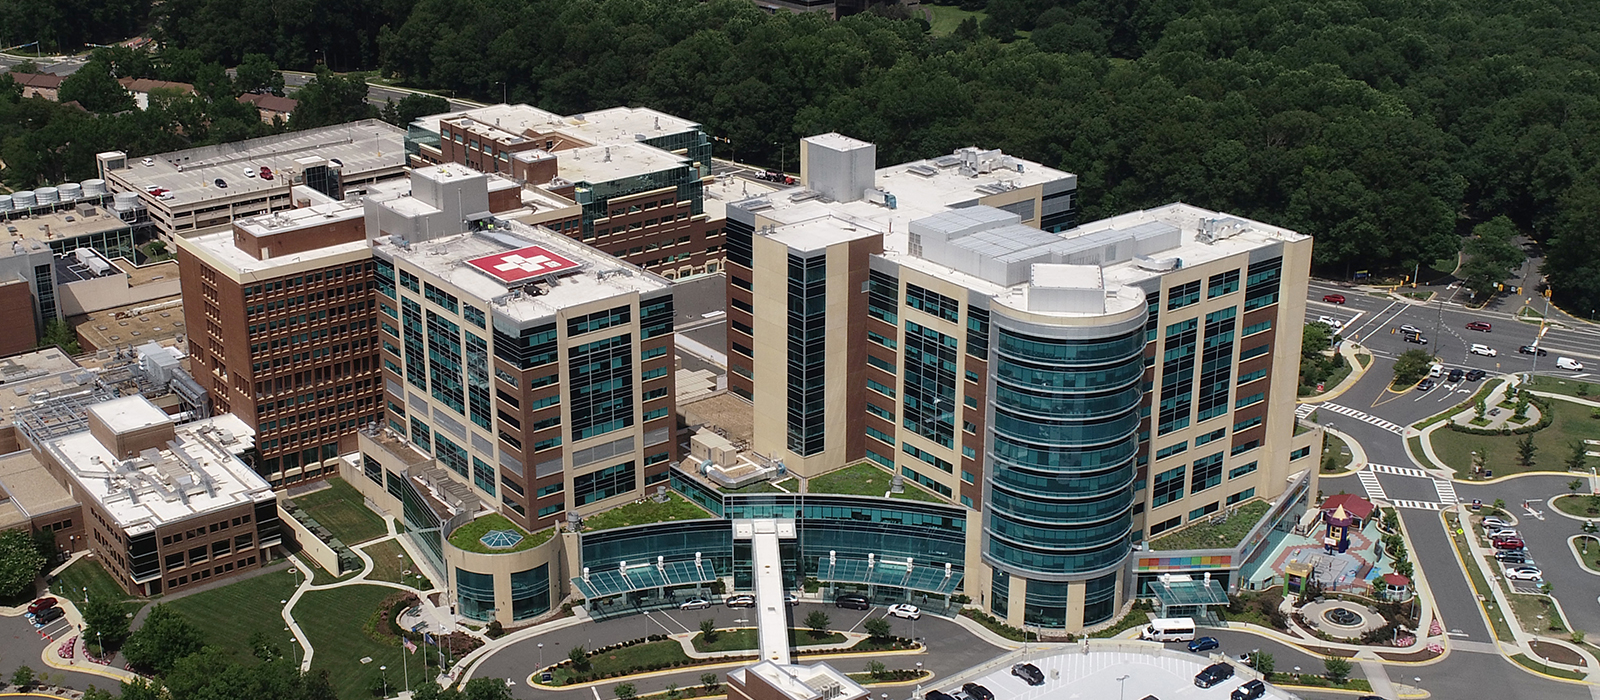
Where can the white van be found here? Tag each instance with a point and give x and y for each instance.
(1437, 370)
(1569, 363)
(1169, 629)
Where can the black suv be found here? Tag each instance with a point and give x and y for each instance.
(851, 600)
(1029, 674)
(1250, 690)
(937, 695)
(1457, 375)
(1413, 337)
(1214, 674)
(977, 692)
(1475, 375)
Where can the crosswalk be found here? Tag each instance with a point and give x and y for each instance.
(1416, 505)
(1369, 481)
(1303, 410)
(1446, 491)
(1399, 471)
(1365, 417)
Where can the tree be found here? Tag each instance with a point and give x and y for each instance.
(1575, 484)
(1338, 668)
(1262, 663)
(20, 563)
(94, 693)
(142, 689)
(708, 627)
(625, 691)
(331, 99)
(26, 66)
(818, 621)
(106, 623)
(1411, 367)
(427, 690)
(579, 657)
(94, 87)
(672, 691)
(1490, 255)
(1575, 463)
(710, 681)
(258, 73)
(412, 106)
(165, 638)
(485, 689)
(22, 677)
(61, 335)
(876, 668)
(263, 648)
(1525, 450)
(878, 627)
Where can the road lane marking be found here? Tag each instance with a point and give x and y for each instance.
(1365, 417)
(1398, 471)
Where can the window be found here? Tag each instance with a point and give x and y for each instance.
(603, 484)
(1208, 437)
(1246, 447)
(1183, 295)
(881, 436)
(1165, 525)
(1171, 450)
(880, 388)
(1207, 473)
(880, 411)
(1168, 487)
(807, 338)
(1224, 283)
(1246, 424)
(879, 339)
(1250, 400)
(1248, 377)
(880, 363)
(1251, 353)
(598, 320)
(933, 303)
(928, 408)
(1261, 286)
(977, 331)
(440, 297)
(1203, 511)
(930, 458)
(1257, 328)
(1300, 453)
(883, 297)
(1241, 470)
(1242, 495)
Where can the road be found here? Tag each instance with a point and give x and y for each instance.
(950, 647)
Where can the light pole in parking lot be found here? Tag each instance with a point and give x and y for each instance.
(1122, 687)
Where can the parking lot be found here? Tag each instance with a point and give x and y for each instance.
(1099, 675)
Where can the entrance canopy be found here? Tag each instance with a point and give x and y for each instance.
(644, 577)
(1177, 595)
(934, 579)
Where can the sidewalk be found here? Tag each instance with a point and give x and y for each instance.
(1348, 349)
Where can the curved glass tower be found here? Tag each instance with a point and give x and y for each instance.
(1063, 441)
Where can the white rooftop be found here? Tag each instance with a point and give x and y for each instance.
(592, 276)
(198, 472)
(220, 247)
(129, 413)
(361, 147)
(818, 681)
(607, 126)
(596, 164)
(1071, 674)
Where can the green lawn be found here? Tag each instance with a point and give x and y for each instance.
(1581, 505)
(230, 614)
(1335, 445)
(334, 620)
(1542, 668)
(861, 479)
(339, 508)
(647, 511)
(914, 492)
(1497, 617)
(947, 17)
(627, 659)
(1569, 387)
(87, 573)
(1571, 423)
(1589, 551)
(468, 536)
(1204, 535)
(746, 638)
(390, 562)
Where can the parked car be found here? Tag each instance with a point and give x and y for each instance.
(42, 604)
(47, 616)
(1532, 350)
(694, 604)
(742, 600)
(852, 600)
(1475, 375)
(1331, 322)
(1484, 350)
(1204, 644)
(1513, 556)
(149, 162)
(1333, 298)
(1568, 363)
(1480, 326)
(1493, 523)
(905, 610)
(937, 695)
(1457, 375)
(1213, 674)
(1425, 385)
(219, 182)
(977, 692)
(1251, 690)
(1501, 533)
(266, 173)
(249, 172)
(791, 599)
(1508, 543)
(1029, 673)
(1524, 573)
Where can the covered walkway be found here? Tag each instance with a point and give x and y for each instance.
(772, 612)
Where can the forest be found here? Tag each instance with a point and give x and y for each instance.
(1388, 129)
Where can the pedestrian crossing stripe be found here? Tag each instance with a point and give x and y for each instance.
(1417, 505)
(1399, 471)
(1365, 417)
(1369, 481)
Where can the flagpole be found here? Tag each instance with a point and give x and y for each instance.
(405, 667)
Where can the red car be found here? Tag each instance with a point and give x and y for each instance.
(1479, 326)
(266, 173)
(1507, 543)
(42, 604)
(1333, 298)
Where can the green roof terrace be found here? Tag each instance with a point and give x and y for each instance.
(495, 534)
(1208, 533)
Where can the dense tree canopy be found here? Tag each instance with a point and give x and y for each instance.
(1386, 128)
(20, 562)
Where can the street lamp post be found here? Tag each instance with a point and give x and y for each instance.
(541, 656)
(1122, 687)
(385, 671)
(294, 644)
